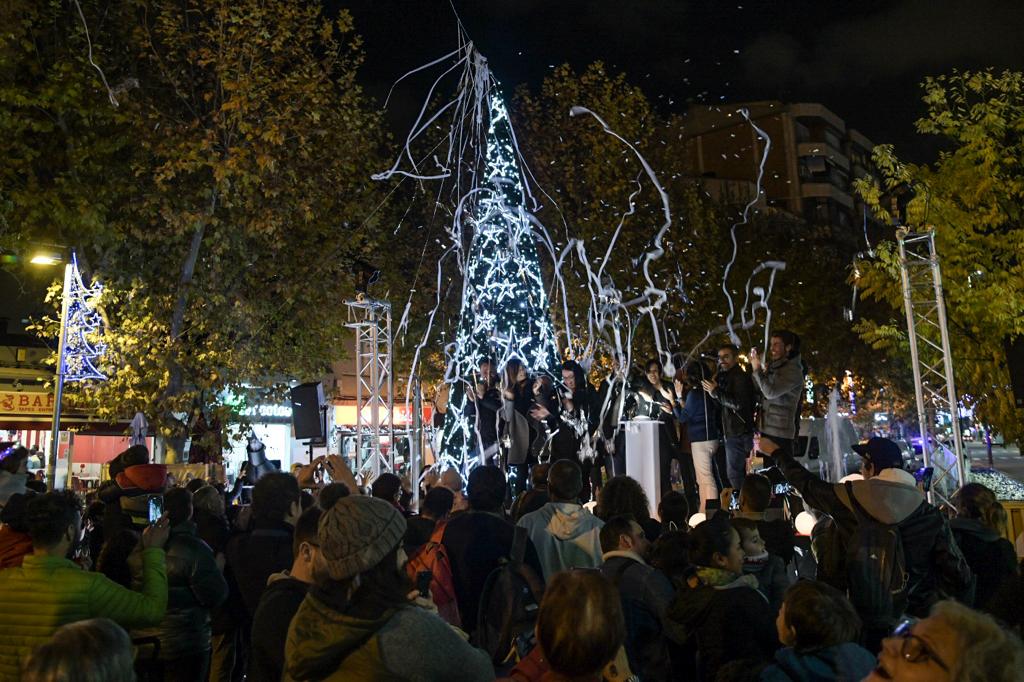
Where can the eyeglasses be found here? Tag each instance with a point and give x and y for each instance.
(913, 649)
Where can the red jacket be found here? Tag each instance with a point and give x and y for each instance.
(13, 547)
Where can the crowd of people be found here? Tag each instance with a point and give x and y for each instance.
(505, 572)
(703, 413)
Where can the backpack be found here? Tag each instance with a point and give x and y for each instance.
(508, 607)
(877, 577)
(433, 557)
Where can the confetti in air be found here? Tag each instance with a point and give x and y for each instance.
(496, 242)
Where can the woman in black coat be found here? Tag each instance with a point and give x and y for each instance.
(719, 606)
(977, 529)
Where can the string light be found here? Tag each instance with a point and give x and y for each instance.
(84, 325)
(504, 311)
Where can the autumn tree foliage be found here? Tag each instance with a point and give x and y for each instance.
(973, 197)
(223, 199)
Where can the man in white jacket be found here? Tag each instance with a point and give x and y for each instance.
(565, 534)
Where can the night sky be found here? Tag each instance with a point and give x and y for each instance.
(863, 60)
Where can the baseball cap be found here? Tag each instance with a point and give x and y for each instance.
(882, 453)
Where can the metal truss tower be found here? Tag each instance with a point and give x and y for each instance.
(371, 320)
(931, 359)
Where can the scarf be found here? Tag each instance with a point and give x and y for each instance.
(721, 579)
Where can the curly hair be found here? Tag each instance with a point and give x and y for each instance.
(987, 650)
(622, 496)
(48, 516)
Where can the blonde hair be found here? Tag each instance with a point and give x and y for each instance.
(987, 650)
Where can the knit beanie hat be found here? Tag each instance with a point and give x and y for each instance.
(356, 533)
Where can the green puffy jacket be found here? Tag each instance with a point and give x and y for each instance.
(48, 592)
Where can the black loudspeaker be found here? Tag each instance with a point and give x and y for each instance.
(1015, 361)
(306, 402)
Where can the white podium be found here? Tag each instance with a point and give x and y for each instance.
(642, 458)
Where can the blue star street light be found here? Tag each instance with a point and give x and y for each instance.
(78, 349)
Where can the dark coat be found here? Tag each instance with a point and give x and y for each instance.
(270, 625)
(483, 414)
(214, 530)
(730, 623)
(476, 544)
(933, 561)
(991, 557)
(194, 586)
(254, 556)
(646, 594)
(772, 579)
(529, 501)
(700, 414)
(735, 394)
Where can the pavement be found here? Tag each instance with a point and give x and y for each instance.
(1007, 460)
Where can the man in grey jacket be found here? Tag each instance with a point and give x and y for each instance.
(780, 382)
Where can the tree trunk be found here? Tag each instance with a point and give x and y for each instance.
(188, 268)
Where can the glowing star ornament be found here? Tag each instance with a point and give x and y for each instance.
(82, 329)
(504, 310)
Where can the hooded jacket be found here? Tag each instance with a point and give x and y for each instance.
(137, 480)
(565, 536)
(991, 557)
(846, 662)
(407, 643)
(933, 561)
(731, 622)
(194, 584)
(780, 383)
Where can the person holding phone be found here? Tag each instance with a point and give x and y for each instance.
(887, 497)
(482, 409)
(48, 576)
(700, 414)
(195, 585)
(576, 425)
(654, 399)
(520, 431)
(781, 383)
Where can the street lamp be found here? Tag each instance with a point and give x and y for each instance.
(49, 256)
(76, 353)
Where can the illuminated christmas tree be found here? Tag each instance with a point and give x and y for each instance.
(504, 311)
